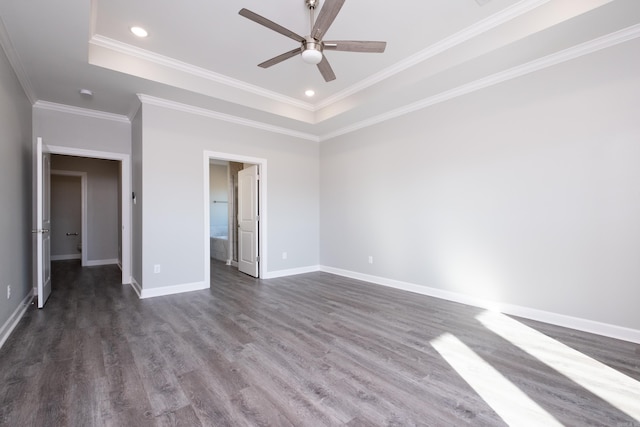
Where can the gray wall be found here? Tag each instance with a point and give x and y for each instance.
(78, 131)
(173, 144)
(526, 193)
(15, 191)
(102, 203)
(136, 188)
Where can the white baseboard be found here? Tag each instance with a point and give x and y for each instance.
(97, 262)
(585, 325)
(291, 272)
(136, 287)
(65, 257)
(170, 290)
(15, 317)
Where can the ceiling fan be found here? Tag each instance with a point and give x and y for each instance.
(312, 47)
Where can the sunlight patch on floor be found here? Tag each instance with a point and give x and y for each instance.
(506, 399)
(619, 390)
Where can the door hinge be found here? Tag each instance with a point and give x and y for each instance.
(258, 258)
(257, 217)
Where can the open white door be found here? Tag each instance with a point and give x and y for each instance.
(43, 223)
(248, 221)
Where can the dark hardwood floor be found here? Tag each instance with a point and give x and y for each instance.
(308, 350)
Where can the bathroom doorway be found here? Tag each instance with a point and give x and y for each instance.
(222, 208)
(227, 240)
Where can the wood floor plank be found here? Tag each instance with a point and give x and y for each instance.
(88, 392)
(307, 350)
(183, 417)
(128, 399)
(282, 389)
(54, 404)
(158, 379)
(178, 353)
(258, 409)
(209, 408)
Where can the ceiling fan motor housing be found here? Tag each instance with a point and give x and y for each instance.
(312, 50)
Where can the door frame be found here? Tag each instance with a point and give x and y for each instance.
(83, 208)
(125, 190)
(262, 207)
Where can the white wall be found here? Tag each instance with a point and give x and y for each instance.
(15, 193)
(173, 143)
(526, 193)
(102, 203)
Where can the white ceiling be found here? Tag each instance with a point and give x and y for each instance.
(202, 54)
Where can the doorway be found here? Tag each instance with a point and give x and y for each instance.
(259, 254)
(68, 215)
(124, 199)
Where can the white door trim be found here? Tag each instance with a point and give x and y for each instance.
(125, 182)
(83, 205)
(262, 208)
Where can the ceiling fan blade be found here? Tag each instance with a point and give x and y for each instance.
(325, 18)
(270, 24)
(278, 59)
(326, 70)
(355, 46)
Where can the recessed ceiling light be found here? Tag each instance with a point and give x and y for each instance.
(139, 31)
(86, 92)
(309, 93)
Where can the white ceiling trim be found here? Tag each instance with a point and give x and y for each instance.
(577, 51)
(468, 33)
(16, 63)
(46, 105)
(166, 61)
(152, 100)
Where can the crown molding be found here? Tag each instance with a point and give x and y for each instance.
(184, 67)
(443, 45)
(133, 111)
(69, 109)
(160, 102)
(16, 63)
(577, 51)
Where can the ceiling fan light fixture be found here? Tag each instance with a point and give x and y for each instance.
(311, 56)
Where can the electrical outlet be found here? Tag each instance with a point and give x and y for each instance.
(8, 291)
(370, 259)
(156, 268)
(284, 255)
